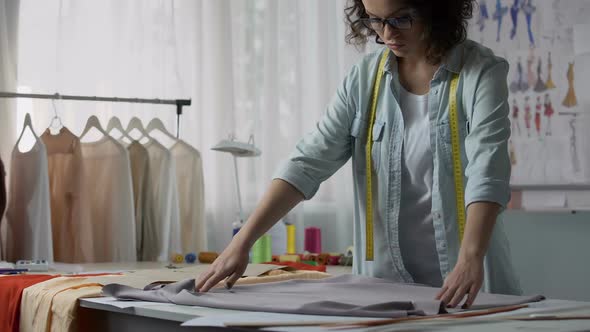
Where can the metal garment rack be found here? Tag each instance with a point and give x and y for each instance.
(180, 103)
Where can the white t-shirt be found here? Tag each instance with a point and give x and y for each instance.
(416, 232)
(191, 197)
(161, 227)
(107, 201)
(28, 214)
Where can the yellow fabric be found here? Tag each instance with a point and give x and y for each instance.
(37, 303)
(52, 305)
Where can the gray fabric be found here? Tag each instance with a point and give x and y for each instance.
(346, 295)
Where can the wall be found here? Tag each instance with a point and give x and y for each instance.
(551, 252)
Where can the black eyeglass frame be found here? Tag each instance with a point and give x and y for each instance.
(400, 23)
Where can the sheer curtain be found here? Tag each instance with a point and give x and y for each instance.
(261, 67)
(8, 75)
(8, 69)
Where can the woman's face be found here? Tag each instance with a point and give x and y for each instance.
(403, 42)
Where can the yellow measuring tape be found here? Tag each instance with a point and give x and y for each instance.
(456, 155)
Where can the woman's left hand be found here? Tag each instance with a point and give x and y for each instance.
(465, 279)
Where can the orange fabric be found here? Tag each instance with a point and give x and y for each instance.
(11, 288)
(301, 266)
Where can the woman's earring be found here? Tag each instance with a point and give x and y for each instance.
(378, 40)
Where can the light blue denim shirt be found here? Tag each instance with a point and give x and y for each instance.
(484, 131)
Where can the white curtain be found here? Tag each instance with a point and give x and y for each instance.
(261, 67)
(8, 57)
(8, 75)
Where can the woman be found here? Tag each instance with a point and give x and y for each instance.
(416, 237)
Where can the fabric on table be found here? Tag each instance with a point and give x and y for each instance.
(53, 302)
(11, 289)
(301, 266)
(346, 295)
(52, 305)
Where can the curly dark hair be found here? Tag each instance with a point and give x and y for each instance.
(445, 20)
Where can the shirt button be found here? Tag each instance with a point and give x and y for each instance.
(436, 92)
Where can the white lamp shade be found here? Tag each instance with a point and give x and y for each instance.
(238, 149)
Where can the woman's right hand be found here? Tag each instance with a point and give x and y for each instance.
(231, 264)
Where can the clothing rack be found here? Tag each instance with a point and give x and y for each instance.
(56, 96)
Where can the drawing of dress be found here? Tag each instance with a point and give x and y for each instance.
(549, 84)
(538, 116)
(531, 79)
(570, 99)
(529, 9)
(515, 123)
(498, 14)
(527, 116)
(540, 85)
(548, 114)
(512, 153)
(514, 16)
(483, 15)
(518, 84)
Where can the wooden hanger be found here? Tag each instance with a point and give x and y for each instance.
(93, 122)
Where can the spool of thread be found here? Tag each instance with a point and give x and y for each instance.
(313, 240)
(207, 257)
(322, 259)
(334, 260)
(262, 250)
(190, 257)
(291, 248)
(290, 258)
(177, 258)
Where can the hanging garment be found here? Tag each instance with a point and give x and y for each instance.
(161, 227)
(345, 295)
(2, 189)
(191, 197)
(2, 204)
(139, 159)
(29, 214)
(64, 157)
(107, 198)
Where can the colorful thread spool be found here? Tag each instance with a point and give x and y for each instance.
(291, 248)
(290, 258)
(322, 259)
(190, 257)
(334, 260)
(262, 250)
(177, 258)
(207, 257)
(313, 240)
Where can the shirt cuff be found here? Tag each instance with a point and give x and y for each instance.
(294, 173)
(488, 190)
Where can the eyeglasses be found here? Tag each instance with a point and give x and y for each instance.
(378, 24)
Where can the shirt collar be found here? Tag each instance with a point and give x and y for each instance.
(453, 62)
